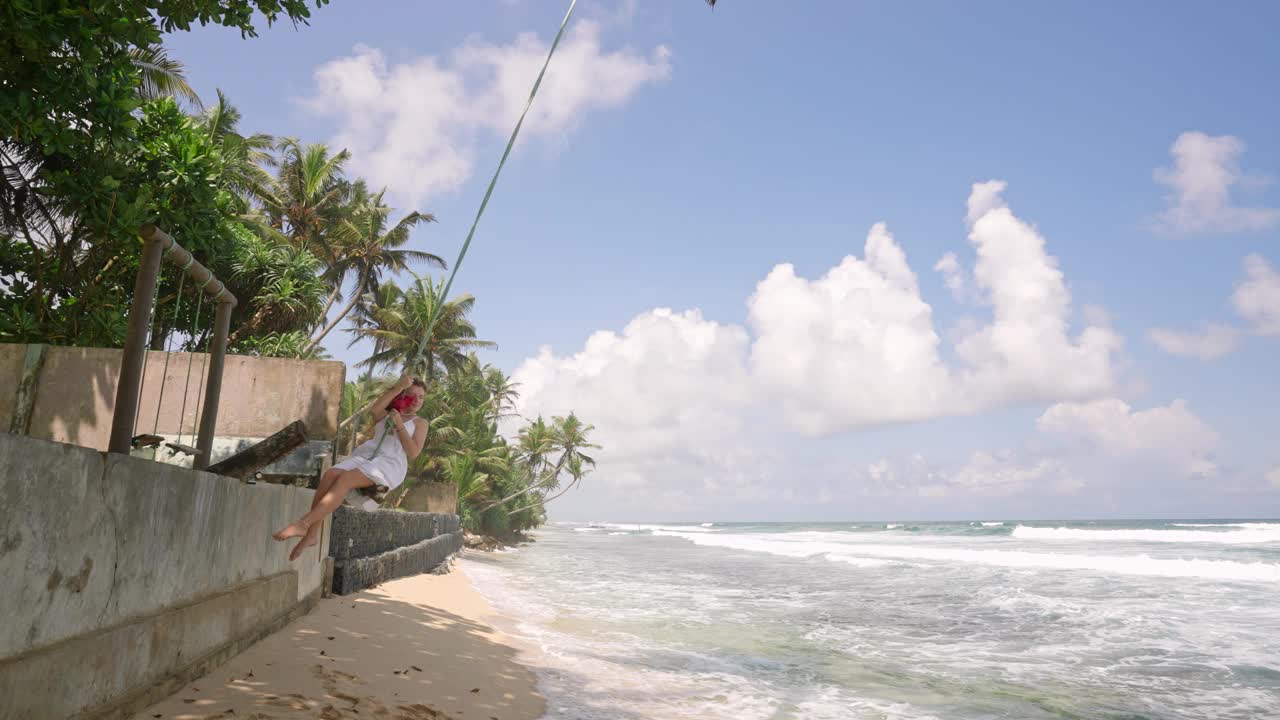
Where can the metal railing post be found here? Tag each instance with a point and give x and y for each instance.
(213, 386)
(129, 385)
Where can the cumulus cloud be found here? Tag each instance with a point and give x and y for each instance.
(414, 125)
(1256, 301)
(1171, 434)
(984, 474)
(670, 398)
(857, 347)
(1213, 342)
(1257, 297)
(1205, 170)
(953, 275)
(683, 402)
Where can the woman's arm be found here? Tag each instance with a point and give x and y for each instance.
(412, 444)
(380, 407)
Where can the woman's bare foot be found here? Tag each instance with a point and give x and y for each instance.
(307, 541)
(290, 531)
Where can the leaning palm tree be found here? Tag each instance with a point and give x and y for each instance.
(566, 435)
(577, 469)
(397, 331)
(368, 249)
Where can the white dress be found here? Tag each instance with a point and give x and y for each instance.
(389, 466)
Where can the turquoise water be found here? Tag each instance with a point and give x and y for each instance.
(984, 619)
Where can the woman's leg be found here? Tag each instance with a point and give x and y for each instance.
(313, 533)
(324, 503)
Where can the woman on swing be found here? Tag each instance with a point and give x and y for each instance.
(378, 461)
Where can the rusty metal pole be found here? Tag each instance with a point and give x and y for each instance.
(129, 385)
(213, 386)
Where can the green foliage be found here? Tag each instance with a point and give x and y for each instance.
(503, 486)
(94, 144)
(86, 158)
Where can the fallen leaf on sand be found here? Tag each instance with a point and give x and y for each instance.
(415, 667)
(330, 637)
(474, 690)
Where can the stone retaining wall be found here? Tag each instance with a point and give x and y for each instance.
(373, 547)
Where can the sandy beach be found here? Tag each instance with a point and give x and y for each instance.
(415, 648)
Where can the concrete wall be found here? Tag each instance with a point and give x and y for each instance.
(11, 358)
(373, 547)
(76, 393)
(122, 578)
(431, 497)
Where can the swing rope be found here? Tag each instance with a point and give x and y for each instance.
(204, 369)
(484, 203)
(191, 356)
(151, 331)
(168, 343)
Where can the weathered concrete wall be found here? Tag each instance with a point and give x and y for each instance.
(11, 359)
(431, 497)
(124, 578)
(77, 391)
(372, 547)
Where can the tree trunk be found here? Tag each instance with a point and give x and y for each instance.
(544, 501)
(245, 463)
(333, 297)
(535, 486)
(355, 298)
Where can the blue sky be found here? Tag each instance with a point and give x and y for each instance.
(685, 153)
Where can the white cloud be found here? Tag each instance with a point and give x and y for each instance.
(953, 275)
(1026, 353)
(854, 348)
(669, 397)
(1256, 300)
(414, 125)
(1214, 342)
(1205, 169)
(683, 403)
(1257, 297)
(857, 347)
(1171, 434)
(984, 474)
(1273, 477)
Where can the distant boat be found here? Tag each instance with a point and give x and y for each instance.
(598, 526)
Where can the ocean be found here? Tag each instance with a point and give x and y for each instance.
(949, 621)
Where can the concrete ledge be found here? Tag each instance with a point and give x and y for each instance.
(114, 672)
(359, 573)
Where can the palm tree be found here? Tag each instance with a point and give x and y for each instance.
(576, 467)
(398, 329)
(566, 435)
(244, 158)
(368, 249)
(502, 393)
(283, 283)
(300, 202)
(161, 76)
